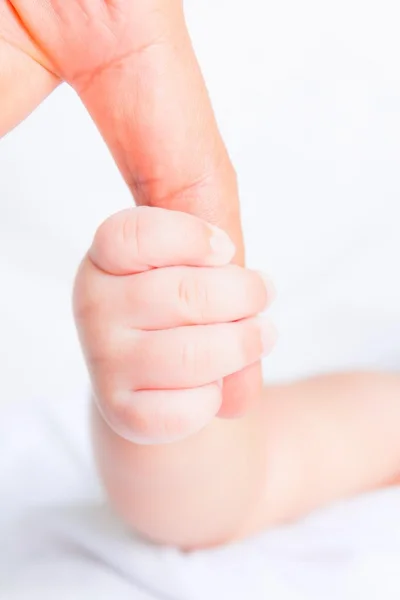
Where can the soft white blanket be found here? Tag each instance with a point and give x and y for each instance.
(60, 540)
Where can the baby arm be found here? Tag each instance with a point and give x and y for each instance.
(158, 342)
(327, 438)
(163, 318)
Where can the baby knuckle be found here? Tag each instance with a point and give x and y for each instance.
(194, 298)
(130, 231)
(139, 423)
(195, 360)
(131, 422)
(132, 418)
(109, 242)
(119, 411)
(136, 231)
(158, 425)
(88, 294)
(103, 240)
(250, 342)
(188, 356)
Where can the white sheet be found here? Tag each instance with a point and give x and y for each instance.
(59, 539)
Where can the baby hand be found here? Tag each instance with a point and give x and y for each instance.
(163, 318)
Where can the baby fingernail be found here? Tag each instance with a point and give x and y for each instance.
(269, 334)
(269, 286)
(223, 249)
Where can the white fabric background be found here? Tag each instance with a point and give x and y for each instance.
(308, 98)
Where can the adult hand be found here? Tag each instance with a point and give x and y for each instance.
(26, 77)
(132, 64)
